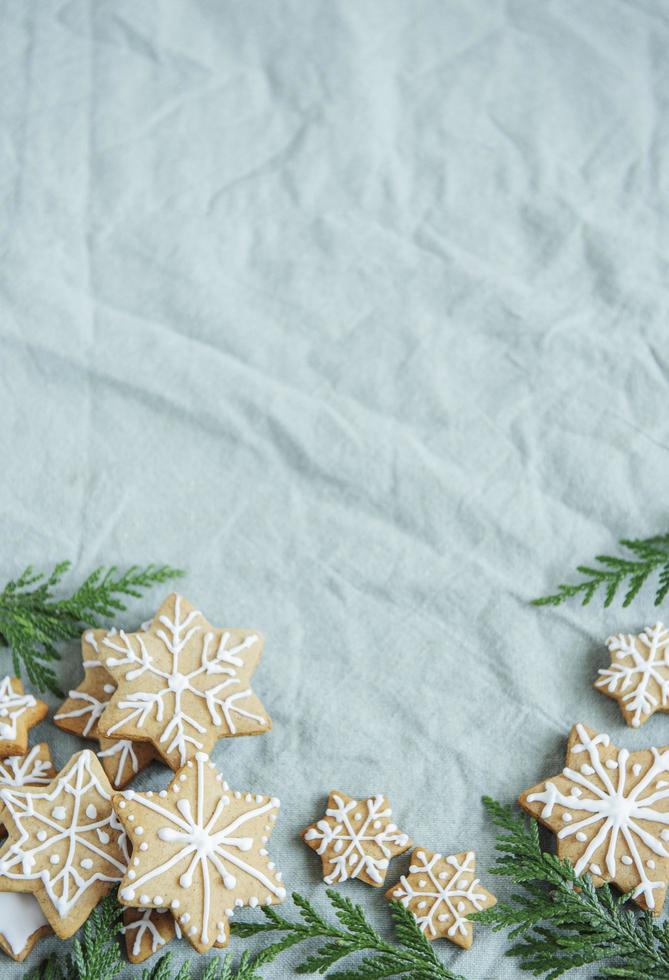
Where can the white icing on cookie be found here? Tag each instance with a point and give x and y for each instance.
(614, 809)
(25, 770)
(20, 917)
(12, 707)
(633, 670)
(439, 898)
(350, 856)
(62, 880)
(143, 925)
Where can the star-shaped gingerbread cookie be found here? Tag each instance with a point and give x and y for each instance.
(199, 849)
(121, 759)
(356, 839)
(441, 892)
(610, 811)
(65, 844)
(182, 684)
(18, 713)
(33, 769)
(638, 678)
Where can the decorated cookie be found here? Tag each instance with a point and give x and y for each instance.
(356, 839)
(182, 684)
(638, 678)
(18, 713)
(199, 849)
(33, 769)
(146, 931)
(610, 811)
(65, 843)
(121, 759)
(22, 924)
(441, 892)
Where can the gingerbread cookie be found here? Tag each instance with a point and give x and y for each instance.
(182, 684)
(638, 678)
(356, 839)
(610, 811)
(199, 849)
(22, 924)
(18, 713)
(65, 843)
(33, 769)
(441, 892)
(121, 759)
(147, 931)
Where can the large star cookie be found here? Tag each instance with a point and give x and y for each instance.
(33, 769)
(121, 759)
(65, 843)
(441, 892)
(182, 684)
(18, 713)
(638, 678)
(200, 850)
(610, 811)
(22, 924)
(356, 839)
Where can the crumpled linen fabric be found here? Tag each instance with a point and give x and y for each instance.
(358, 312)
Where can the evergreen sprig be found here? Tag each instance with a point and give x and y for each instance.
(560, 920)
(411, 956)
(32, 622)
(95, 956)
(648, 556)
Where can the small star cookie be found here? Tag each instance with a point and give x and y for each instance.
(441, 892)
(356, 839)
(121, 759)
(146, 931)
(610, 811)
(33, 769)
(22, 924)
(65, 843)
(199, 849)
(182, 684)
(18, 713)
(638, 678)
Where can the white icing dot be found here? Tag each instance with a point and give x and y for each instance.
(41, 835)
(132, 875)
(626, 859)
(54, 859)
(182, 777)
(461, 906)
(595, 868)
(664, 834)
(587, 770)
(575, 791)
(128, 894)
(650, 864)
(422, 882)
(253, 902)
(580, 836)
(443, 875)
(59, 813)
(131, 817)
(144, 899)
(192, 930)
(185, 918)
(163, 793)
(636, 768)
(611, 764)
(158, 900)
(422, 905)
(135, 861)
(464, 882)
(567, 817)
(443, 917)
(176, 788)
(139, 831)
(122, 804)
(175, 903)
(143, 846)
(86, 863)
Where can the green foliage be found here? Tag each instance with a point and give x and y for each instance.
(411, 956)
(218, 968)
(95, 954)
(32, 622)
(648, 556)
(560, 921)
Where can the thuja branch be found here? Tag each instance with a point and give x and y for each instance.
(560, 921)
(647, 556)
(411, 956)
(32, 621)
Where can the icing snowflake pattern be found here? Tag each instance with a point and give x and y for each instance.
(441, 892)
(168, 674)
(356, 839)
(214, 838)
(612, 807)
(26, 770)
(71, 830)
(639, 674)
(13, 706)
(146, 925)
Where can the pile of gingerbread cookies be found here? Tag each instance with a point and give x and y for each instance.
(186, 856)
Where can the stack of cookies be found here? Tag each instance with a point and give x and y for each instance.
(185, 856)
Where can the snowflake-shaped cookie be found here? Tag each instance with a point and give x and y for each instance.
(182, 684)
(65, 843)
(638, 678)
(79, 714)
(610, 811)
(441, 892)
(18, 713)
(199, 849)
(356, 839)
